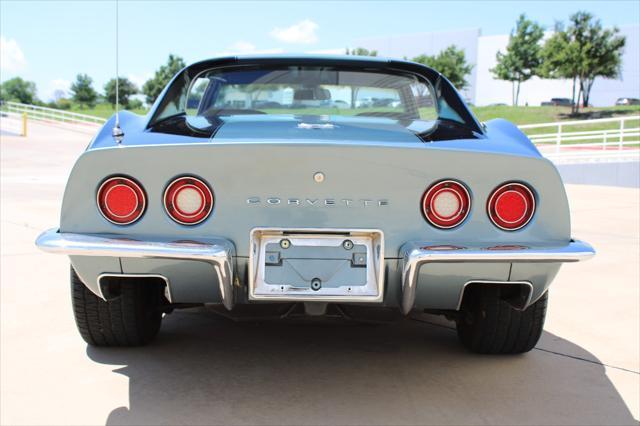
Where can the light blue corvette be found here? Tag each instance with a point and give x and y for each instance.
(283, 186)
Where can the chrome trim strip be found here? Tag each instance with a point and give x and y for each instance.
(464, 287)
(415, 254)
(218, 252)
(167, 292)
(256, 253)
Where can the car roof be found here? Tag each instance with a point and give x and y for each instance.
(300, 57)
(294, 56)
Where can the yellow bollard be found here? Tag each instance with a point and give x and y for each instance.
(24, 124)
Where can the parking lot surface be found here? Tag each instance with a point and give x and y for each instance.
(204, 369)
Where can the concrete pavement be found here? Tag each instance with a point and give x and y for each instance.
(208, 370)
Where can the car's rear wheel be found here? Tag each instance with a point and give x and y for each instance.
(490, 325)
(131, 318)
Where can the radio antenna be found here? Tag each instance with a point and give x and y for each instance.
(117, 132)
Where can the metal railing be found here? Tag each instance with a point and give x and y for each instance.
(52, 114)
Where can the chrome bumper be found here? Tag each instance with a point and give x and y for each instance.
(217, 252)
(416, 254)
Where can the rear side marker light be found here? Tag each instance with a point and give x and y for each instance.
(188, 200)
(511, 206)
(446, 204)
(121, 200)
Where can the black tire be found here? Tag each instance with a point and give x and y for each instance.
(132, 318)
(489, 325)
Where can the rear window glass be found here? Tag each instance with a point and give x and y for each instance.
(310, 91)
(209, 96)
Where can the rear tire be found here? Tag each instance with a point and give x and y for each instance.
(490, 325)
(132, 318)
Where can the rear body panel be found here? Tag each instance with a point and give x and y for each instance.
(263, 177)
(314, 175)
(371, 185)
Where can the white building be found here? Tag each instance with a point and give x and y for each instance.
(481, 51)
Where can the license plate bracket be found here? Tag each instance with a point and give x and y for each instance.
(316, 265)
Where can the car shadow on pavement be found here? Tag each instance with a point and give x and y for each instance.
(204, 369)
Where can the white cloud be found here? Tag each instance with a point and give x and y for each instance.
(58, 88)
(242, 47)
(245, 48)
(11, 56)
(304, 32)
(54, 90)
(60, 84)
(140, 79)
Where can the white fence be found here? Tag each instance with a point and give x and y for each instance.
(620, 142)
(52, 114)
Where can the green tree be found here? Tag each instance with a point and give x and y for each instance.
(523, 57)
(361, 51)
(60, 103)
(154, 86)
(583, 52)
(126, 89)
(18, 90)
(63, 103)
(451, 63)
(82, 91)
(135, 104)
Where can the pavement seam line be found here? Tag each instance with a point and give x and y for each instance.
(544, 350)
(22, 225)
(587, 360)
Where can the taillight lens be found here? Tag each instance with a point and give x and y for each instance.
(446, 204)
(121, 200)
(188, 200)
(511, 206)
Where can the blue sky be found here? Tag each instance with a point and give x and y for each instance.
(49, 42)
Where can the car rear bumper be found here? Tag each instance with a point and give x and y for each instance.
(417, 254)
(208, 271)
(218, 253)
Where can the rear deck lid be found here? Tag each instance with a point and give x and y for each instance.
(310, 127)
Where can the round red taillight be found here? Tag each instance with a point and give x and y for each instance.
(121, 200)
(511, 206)
(446, 204)
(188, 200)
